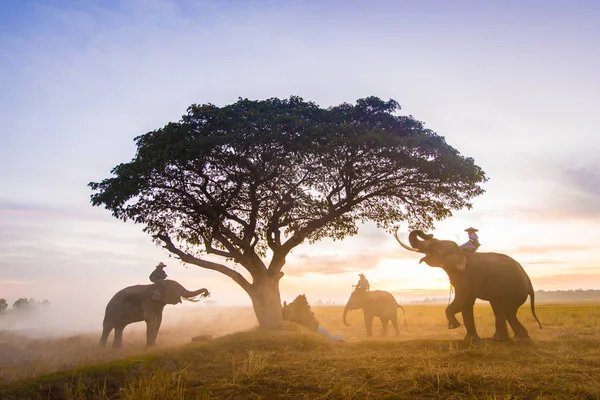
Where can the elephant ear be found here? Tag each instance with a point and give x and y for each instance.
(160, 292)
(168, 292)
(432, 261)
(456, 261)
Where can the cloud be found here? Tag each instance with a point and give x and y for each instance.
(549, 249)
(362, 252)
(571, 192)
(568, 281)
(304, 265)
(584, 182)
(586, 179)
(543, 262)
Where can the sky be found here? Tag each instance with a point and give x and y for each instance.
(513, 84)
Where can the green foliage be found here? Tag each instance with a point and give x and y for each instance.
(239, 180)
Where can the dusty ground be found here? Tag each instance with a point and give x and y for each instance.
(30, 352)
(25, 353)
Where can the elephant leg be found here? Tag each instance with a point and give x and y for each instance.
(500, 313)
(515, 324)
(453, 308)
(158, 322)
(118, 340)
(150, 331)
(105, 332)
(469, 321)
(384, 325)
(394, 320)
(153, 322)
(369, 324)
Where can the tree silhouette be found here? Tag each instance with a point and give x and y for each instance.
(23, 304)
(252, 180)
(3, 305)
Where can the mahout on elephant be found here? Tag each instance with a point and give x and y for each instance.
(375, 303)
(159, 273)
(143, 303)
(363, 283)
(494, 277)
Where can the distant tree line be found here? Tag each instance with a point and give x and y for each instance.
(540, 296)
(23, 304)
(567, 295)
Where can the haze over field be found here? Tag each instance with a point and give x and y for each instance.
(513, 85)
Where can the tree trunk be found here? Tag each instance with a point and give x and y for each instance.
(266, 301)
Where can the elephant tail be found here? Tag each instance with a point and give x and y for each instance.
(532, 298)
(404, 314)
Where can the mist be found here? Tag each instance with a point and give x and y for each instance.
(57, 319)
(70, 318)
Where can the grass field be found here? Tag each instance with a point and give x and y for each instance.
(427, 361)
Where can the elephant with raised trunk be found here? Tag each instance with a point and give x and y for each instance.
(494, 277)
(375, 303)
(142, 303)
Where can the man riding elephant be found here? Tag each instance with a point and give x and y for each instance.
(158, 274)
(473, 244)
(363, 283)
(493, 277)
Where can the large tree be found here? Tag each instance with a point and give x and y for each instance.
(252, 180)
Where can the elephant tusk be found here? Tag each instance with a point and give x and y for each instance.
(402, 244)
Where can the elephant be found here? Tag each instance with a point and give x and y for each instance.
(493, 277)
(142, 303)
(376, 303)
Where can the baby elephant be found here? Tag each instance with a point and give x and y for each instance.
(142, 303)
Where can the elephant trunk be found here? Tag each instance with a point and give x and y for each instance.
(188, 294)
(415, 242)
(402, 244)
(346, 309)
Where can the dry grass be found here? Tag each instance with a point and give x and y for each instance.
(427, 361)
(26, 357)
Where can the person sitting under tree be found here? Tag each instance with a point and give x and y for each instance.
(363, 283)
(473, 244)
(158, 274)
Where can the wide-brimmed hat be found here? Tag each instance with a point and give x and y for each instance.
(361, 275)
(161, 265)
(471, 229)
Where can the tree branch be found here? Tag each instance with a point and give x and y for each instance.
(284, 203)
(188, 258)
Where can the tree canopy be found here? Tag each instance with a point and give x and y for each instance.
(257, 178)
